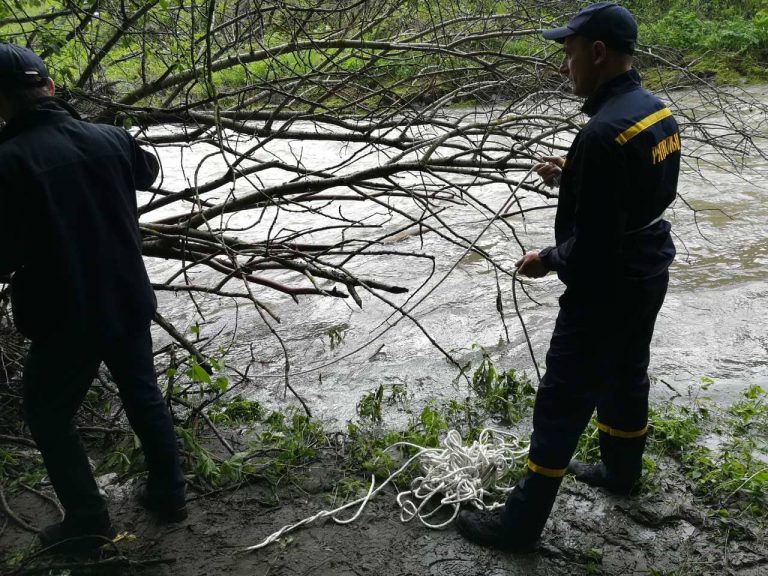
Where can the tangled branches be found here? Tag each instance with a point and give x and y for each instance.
(300, 140)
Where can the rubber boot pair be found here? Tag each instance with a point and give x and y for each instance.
(518, 526)
(621, 466)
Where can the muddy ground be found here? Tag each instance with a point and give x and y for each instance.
(661, 530)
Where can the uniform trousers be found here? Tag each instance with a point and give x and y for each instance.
(597, 359)
(57, 376)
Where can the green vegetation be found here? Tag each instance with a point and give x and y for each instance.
(497, 398)
(506, 395)
(236, 410)
(729, 471)
(723, 39)
(730, 474)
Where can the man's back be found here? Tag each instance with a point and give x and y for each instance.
(637, 122)
(67, 191)
(615, 186)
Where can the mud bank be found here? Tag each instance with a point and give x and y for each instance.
(662, 530)
(666, 528)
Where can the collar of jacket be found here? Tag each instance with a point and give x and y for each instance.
(624, 82)
(48, 110)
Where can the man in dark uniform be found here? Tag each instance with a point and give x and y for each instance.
(612, 252)
(69, 234)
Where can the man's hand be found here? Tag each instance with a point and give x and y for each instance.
(550, 169)
(531, 265)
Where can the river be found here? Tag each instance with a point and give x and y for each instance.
(713, 323)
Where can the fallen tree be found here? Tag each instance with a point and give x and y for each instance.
(416, 106)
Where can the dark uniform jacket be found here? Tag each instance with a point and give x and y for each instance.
(620, 175)
(69, 225)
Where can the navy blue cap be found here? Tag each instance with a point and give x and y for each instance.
(20, 67)
(605, 21)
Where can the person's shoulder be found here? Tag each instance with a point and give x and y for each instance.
(599, 132)
(628, 114)
(102, 128)
(104, 134)
(649, 95)
(628, 105)
(637, 104)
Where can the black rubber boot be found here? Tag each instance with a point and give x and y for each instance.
(623, 457)
(486, 528)
(166, 508)
(621, 466)
(597, 475)
(77, 536)
(518, 526)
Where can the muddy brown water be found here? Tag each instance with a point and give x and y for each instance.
(713, 323)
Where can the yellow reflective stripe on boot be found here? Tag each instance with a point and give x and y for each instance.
(549, 472)
(616, 433)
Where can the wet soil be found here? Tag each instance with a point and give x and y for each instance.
(661, 530)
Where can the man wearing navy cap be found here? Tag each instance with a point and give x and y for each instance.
(612, 251)
(69, 234)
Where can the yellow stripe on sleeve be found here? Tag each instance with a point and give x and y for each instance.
(644, 124)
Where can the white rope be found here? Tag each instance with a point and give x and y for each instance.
(461, 474)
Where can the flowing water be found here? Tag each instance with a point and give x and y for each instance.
(713, 323)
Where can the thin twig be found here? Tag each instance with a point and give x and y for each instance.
(12, 515)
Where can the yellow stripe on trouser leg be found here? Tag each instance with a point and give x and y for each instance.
(616, 433)
(544, 471)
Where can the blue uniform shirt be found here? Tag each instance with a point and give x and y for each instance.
(620, 175)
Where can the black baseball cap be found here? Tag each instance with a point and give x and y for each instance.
(603, 21)
(21, 68)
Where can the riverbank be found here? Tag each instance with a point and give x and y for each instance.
(723, 42)
(700, 509)
(590, 532)
(254, 467)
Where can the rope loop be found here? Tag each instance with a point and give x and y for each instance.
(460, 475)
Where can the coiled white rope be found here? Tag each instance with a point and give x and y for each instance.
(461, 474)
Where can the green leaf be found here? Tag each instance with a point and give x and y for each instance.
(753, 392)
(197, 374)
(222, 383)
